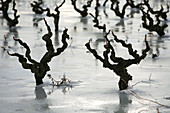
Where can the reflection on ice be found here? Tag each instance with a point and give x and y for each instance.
(12, 32)
(121, 23)
(133, 11)
(40, 93)
(56, 39)
(121, 105)
(84, 20)
(124, 102)
(156, 44)
(64, 89)
(37, 19)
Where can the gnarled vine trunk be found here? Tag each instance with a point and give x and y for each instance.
(119, 64)
(40, 68)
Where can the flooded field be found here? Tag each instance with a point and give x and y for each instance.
(94, 88)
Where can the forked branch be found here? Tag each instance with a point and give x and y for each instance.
(40, 68)
(119, 64)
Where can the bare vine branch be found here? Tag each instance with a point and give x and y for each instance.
(40, 68)
(119, 64)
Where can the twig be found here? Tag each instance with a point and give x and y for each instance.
(136, 84)
(64, 80)
(141, 98)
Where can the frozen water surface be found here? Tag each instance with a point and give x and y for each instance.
(94, 88)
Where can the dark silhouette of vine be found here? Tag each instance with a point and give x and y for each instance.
(5, 7)
(157, 27)
(83, 12)
(159, 13)
(40, 68)
(55, 16)
(119, 64)
(37, 7)
(96, 21)
(117, 10)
